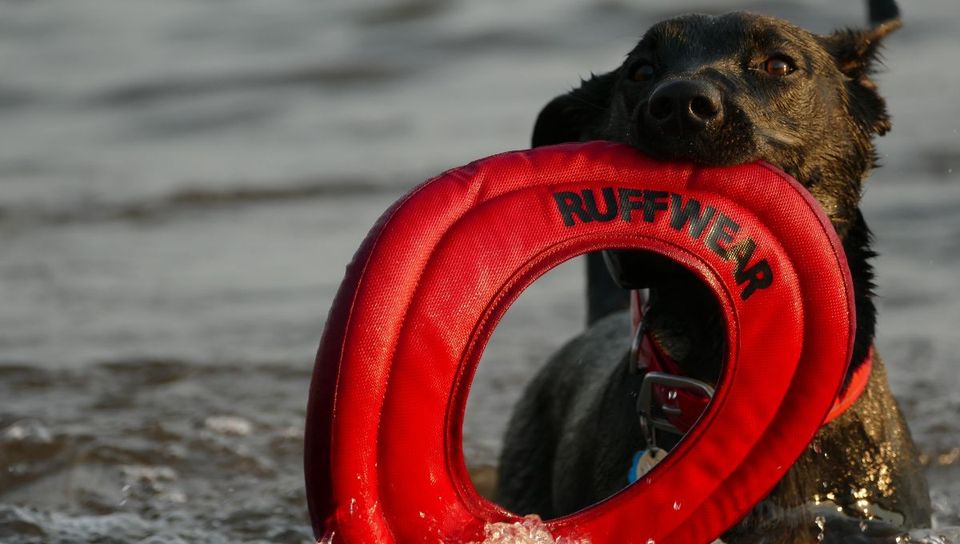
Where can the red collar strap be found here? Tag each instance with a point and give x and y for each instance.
(856, 387)
(672, 402)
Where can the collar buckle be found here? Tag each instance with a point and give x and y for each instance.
(656, 416)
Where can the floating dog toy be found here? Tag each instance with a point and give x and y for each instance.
(384, 462)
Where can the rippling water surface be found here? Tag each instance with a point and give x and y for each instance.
(182, 182)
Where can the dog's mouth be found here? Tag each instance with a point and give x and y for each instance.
(718, 147)
(692, 149)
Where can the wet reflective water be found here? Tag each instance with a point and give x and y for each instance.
(181, 184)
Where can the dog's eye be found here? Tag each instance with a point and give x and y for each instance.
(779, 66)
(643, 72)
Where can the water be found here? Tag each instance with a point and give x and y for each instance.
(530, 530)
(182, 182)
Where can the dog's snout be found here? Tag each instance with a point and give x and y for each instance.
(683, 106)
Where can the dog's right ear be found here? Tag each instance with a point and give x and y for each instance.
(856, 53)
(569, 116)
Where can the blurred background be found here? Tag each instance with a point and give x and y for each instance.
(182, 183)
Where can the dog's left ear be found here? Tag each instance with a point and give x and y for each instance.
(856, 53)
(568, 117)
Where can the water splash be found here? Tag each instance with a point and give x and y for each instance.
(935, 536)
(531, 530)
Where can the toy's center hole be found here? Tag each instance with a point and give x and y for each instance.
(547, 314)
(563, 414)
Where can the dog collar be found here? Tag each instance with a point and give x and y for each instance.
(671, 402)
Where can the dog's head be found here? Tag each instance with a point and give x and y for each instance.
(738, 88)
(734, 89)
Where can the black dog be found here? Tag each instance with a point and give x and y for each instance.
(718, 91)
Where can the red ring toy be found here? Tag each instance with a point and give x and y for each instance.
(383, 458)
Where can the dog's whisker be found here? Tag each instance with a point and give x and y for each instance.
(777, 137)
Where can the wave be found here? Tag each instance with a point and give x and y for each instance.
(345, 74)
(191, 200)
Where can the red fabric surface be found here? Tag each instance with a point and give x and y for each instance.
(383, 456)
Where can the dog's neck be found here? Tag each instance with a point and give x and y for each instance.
(856, 244)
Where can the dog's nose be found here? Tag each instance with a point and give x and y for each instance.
(683, 106)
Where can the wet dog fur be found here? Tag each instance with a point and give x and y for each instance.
(718, 91)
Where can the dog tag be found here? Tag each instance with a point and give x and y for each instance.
(644, 461)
